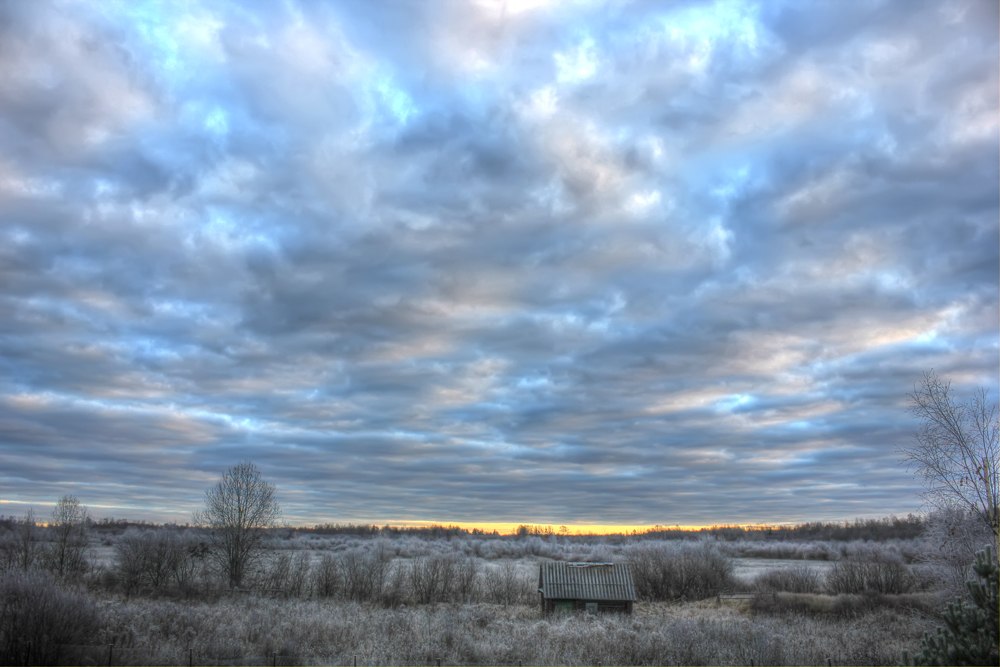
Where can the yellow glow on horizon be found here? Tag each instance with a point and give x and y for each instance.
(506, 528)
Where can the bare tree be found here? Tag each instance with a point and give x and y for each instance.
(69, 527)
(27, 541)
(956, 450)
(238, 509)
(951, 540)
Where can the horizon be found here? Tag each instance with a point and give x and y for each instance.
(563, 263)
(488, 527)
(501, 529)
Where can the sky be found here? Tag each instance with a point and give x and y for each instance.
(617, 263)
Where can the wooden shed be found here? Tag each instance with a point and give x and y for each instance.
(590, 587)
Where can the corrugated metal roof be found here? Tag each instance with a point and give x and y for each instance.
(586, 581)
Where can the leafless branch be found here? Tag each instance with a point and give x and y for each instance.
(956, 449)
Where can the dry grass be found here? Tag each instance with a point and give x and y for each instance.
(846, 605)
(321, 632)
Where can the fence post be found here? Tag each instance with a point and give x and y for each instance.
(355, 661)
(111, 651)
(190, 657)
(274, 659)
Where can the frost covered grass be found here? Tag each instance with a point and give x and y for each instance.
(322, 632)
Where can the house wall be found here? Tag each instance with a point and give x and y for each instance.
(603, 606)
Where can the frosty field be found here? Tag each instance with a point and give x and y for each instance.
(150, 595)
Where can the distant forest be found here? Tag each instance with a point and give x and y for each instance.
(885, 528)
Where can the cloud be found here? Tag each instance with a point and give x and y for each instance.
(539, 262)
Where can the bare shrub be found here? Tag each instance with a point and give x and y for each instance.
(679, 572)
(154, 560)
(8, 551)
(36, 615)
(287, 575)
(798, 579)
(869, 576)
(26, 542)
(129, 557)
(326, 578)
(192, 570)
(430, 579)
(298, 576)
(276, 574)
(465, 586)
(66, 552)
(365, 573)
(504, 584)
(440, 578)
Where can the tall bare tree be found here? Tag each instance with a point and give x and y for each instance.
(69, 528)
(238, 509)
(956, 449)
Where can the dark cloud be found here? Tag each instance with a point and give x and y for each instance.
(492, 261)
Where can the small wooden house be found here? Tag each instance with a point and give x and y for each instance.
(590, 587)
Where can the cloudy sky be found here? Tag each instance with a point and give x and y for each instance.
(552, 262)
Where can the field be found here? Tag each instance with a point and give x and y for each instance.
(318, 632)
(152, 595)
